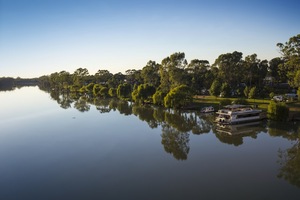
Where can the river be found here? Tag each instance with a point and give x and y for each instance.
(55, 146)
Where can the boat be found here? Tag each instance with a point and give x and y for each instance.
(207, 109)
(236, 114)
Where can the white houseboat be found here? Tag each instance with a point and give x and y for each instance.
(236, 114)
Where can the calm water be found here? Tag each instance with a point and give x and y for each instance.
(62, 147)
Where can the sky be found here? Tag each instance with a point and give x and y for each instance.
(40, 37)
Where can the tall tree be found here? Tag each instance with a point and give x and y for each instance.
(150, 73)
(290, 51)
(197, 71)
(172, 72)
(230, 67)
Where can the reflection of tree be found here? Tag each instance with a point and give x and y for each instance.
(202, 125)
(82, 105)
(290, 164)
(65, 101)
(181, 121)
(124, 108)
(175, 142)
(289, 159)
(145, 113)
(102, 105)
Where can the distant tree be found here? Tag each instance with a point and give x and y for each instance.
(102, 76)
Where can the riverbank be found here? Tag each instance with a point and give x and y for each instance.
(202, 101)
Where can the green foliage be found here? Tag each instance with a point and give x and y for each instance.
(112, 92)
(104, 92)
(252, 93)
(291, 56)
(178, 97)
(246, 91)
(225, 90)
(124, 91)
(278, 111)
(96, 89)
(158, 97)
(90, 87)
(298, 93)
(271, 95)
(215, 88)
(143, 92)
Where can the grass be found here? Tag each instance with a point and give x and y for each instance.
(202, 101)
(215, 101)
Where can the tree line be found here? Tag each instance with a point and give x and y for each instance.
(174, 81)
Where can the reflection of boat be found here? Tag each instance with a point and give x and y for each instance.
(207, 109)
(239, 129)
(235, 114)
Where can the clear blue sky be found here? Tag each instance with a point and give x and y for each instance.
(39, 37)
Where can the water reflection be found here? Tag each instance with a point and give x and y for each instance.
(234, 134)
(176, 127)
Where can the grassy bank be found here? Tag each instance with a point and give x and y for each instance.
(215, 101)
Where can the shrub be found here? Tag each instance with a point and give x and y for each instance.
(278, 111)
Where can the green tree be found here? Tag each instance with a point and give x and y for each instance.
(172, 73)
(252, 93)
(79, 76)
(290, 51)
(197, 72)
(276, 71)
(178, 97)
(246, 91)
(112, 92)
(158, 97)
(143, 92)
(215, 88)
(124, 91)
(103, 76)
(225, 90)
(230, 68)
(150, 73)
(278, 111)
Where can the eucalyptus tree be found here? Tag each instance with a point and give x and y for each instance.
(230, 68)
(79, 76)
(197, 71)
(150, 73)
(133, 76)
(116, 80)
(276, 70)
(251, 69)
(102, 76)
(172, 73)
(290, 51)
(143, 92)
